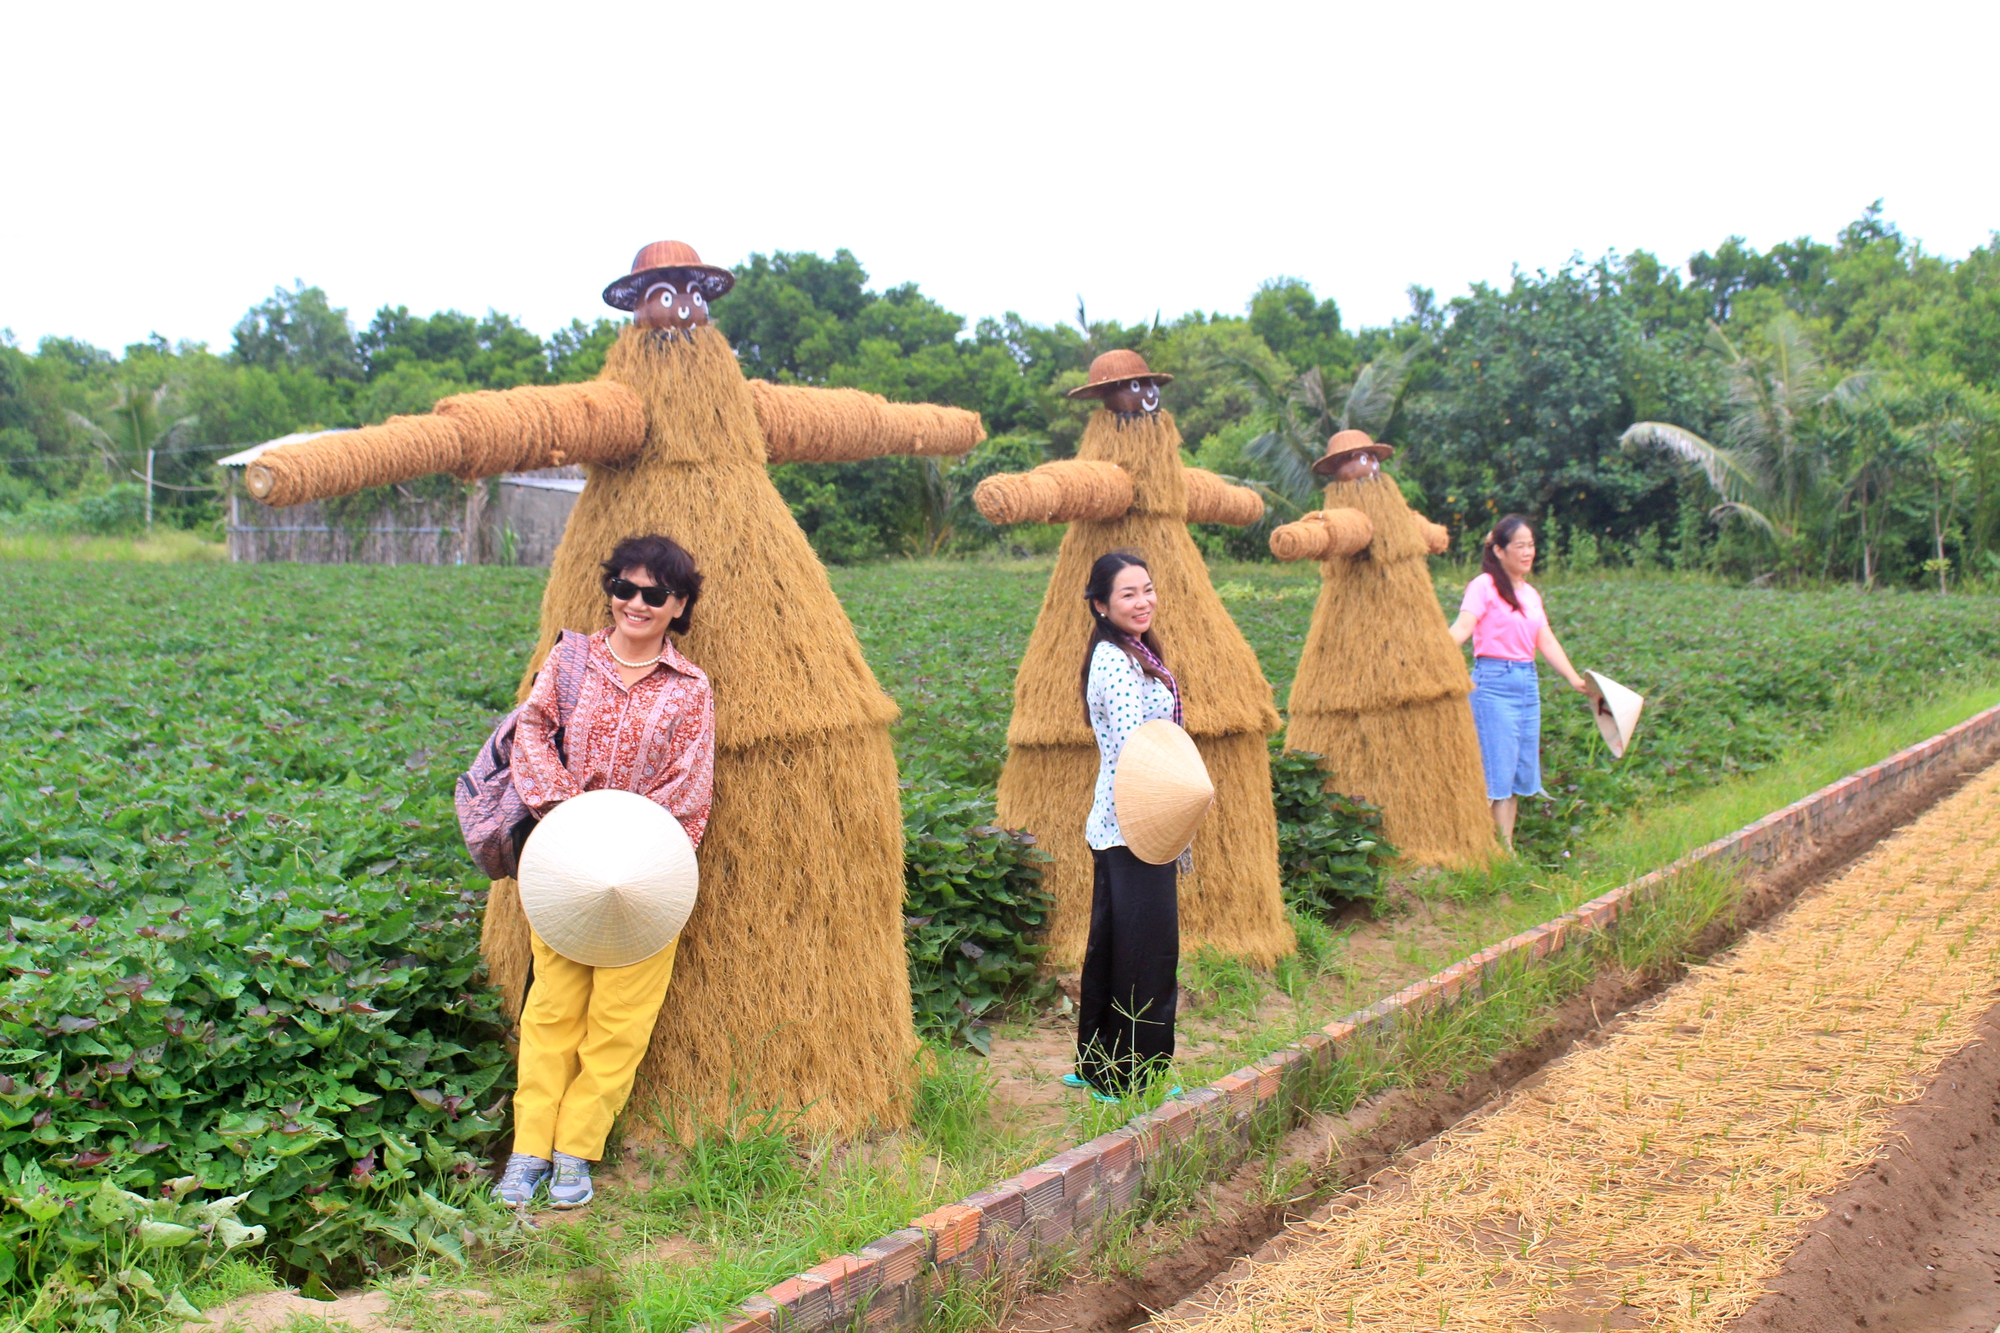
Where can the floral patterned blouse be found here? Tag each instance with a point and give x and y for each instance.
(656, 738)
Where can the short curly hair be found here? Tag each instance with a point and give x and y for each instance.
(669, 564)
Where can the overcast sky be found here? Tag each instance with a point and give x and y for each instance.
(168, 165)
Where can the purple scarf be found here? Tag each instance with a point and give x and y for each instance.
(1153, 659)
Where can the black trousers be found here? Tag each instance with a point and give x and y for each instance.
(1125, 1023)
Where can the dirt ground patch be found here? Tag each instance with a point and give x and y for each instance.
(1319, 1159)
(1911, 1245)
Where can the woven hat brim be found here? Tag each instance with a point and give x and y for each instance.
(1616, 711)
(1162, 792)
(1325, 464)
(1098, 388)
(625, 293)
(611, 882)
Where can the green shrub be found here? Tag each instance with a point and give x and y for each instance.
(974, 907)
(1331, 851)
(119, 509)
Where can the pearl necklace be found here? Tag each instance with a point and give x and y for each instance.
(634, 666)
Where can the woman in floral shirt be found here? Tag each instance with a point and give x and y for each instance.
(644, 722)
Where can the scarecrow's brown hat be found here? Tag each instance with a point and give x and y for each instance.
(1112, 367)
(659, 260)
(1350, 442)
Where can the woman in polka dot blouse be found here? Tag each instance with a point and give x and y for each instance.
(1125, 1023)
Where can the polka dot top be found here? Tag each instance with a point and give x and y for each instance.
(1121, 698)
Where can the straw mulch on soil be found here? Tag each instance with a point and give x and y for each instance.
(1381, 689)
(1658, 1180)
(1231, 901)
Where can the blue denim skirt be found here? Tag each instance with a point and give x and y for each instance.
(1507, 710)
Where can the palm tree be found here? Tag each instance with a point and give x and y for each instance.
(135, 429)
(1305, 413)
(1877, 456)
(1771, 470)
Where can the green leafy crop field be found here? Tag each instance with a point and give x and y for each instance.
(1733, 677)
(243, 936)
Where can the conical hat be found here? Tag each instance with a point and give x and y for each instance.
(608, 879)
(1162, 791)
(1616, 710)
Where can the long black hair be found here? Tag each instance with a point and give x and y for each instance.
(1102, 574)
(1502, 535)
(669, 564)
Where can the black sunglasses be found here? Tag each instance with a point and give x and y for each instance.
(625, 590)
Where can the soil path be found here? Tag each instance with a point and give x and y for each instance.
(1657, 1179)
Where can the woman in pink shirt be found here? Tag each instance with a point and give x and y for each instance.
(1503, 617)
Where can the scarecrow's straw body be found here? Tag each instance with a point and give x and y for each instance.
(1232, 900)
(790, 988)
(1381, 689)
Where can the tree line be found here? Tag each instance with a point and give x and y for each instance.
(1816, 411)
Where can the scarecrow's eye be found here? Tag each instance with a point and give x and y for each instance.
(698, 300)
(1138, 387)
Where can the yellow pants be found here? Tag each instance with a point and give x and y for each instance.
(583, 1031)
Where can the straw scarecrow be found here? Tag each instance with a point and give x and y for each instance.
(1127, 488)
(1381, 689)
(791, 986)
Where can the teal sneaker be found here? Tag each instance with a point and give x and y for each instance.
(1075, 1081)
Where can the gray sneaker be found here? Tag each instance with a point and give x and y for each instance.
(571, 1186)
(519, 1181)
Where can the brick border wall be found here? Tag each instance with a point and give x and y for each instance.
(1059, 1204)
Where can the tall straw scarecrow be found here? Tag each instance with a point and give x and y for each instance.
(1127, 488)
(1380, 691)
(790, 988)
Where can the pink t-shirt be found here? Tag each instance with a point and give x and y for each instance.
(1498, 630)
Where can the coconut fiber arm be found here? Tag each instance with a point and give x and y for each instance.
(471, 435)
(1323, 535)
(1437, 537)
(803, 424)
(1213, 500)
(1056, 493)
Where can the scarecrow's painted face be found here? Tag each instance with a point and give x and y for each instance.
(1358, 466)
(672, 305)
(1129, 396)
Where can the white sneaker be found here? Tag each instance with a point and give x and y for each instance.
(571, 1187)
(524, 1174)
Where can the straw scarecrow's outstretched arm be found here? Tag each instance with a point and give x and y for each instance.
(1322, 535)
(470, 435)
(1436, 536)
(516, 430)
(805, 424)
(1061, 492)
(1213, 500)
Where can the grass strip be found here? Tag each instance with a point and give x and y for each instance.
(161, 546)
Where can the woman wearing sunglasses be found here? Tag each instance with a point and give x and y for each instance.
(643, 721)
